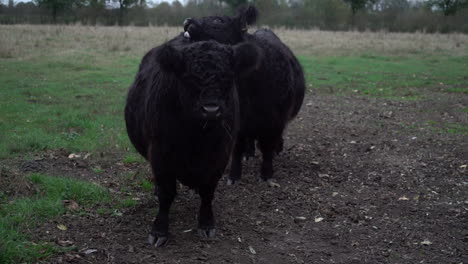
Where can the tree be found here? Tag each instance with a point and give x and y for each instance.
(124, 5)
(92, 9)
(357, 5)
(392, 5)
(235, 4)
(448, 7)
(56, 6)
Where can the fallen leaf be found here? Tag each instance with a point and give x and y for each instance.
(318, 219)
(74, 156)
(62, 227)
(117, 213)
(334, 194)
(426, 242)
(252, 250)
(64, 243)
(463, 166)
(71, 205)
(403, 198)
(273, 184)
(89, 251)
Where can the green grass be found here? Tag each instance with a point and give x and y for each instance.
(128, 202)
(440, 127)
(457, 90)
(98, 170)
(133, 158)
(72, 102)
(408, 77)
(76, 101)
(146, 185)
(456, 129)
(19, 215)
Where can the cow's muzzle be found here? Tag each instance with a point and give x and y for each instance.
(211, 111)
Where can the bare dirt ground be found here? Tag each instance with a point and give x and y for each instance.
(361, 180)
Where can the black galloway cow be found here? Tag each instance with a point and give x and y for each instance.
(182, 115)
(270, 96)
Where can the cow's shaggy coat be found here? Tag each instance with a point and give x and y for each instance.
(270, 96)
(182, 115)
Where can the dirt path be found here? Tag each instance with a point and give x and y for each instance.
(361, 181)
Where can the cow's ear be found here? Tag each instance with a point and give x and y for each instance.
(247, 16)
(170, 59)
(246, 58)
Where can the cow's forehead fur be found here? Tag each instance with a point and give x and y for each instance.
(217, 21)
(208, 62)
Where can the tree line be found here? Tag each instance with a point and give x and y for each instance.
(392, 15)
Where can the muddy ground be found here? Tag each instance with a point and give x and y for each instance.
(361, 180)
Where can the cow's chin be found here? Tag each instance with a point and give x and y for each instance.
(211, 120)
(207, 123)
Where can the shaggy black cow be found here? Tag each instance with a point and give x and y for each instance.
(270, 96)
(182, 115)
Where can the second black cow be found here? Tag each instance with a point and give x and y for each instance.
(270, 96)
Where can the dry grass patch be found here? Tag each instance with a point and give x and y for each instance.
(28, 41)
(316, 42)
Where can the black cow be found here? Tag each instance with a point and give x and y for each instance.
(182, 115)
(270, 96)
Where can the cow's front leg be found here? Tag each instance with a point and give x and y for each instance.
(206, 220)
(236, 161)
(249, 148)
(166, 191)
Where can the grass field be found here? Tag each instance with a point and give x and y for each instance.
(25, 213)
(64, 87)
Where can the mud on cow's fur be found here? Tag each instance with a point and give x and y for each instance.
(270, 96)
(182, 115)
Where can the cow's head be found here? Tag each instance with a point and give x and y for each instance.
(224, 29)
(206, 73)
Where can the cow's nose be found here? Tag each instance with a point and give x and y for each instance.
(211, 111)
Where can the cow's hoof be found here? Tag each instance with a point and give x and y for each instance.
(247, 156)
(231, 182)
(193, 192)
(158, 241)
(272, 183)
(207, 233)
